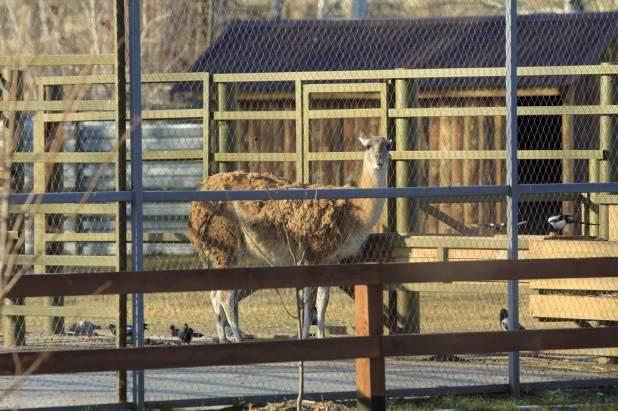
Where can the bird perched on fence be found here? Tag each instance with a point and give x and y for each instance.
(112, 328)
(175, 332)
(560, 221)
(496, 226)
(82, 328)
(504, 320)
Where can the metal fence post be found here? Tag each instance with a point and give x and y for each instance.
(511, 181)
(137, 229)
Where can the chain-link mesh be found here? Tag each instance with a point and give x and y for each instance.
(304, 126)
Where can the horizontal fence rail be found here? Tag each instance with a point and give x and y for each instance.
(308, 276)
(369, 347)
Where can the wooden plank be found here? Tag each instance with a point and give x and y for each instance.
(498, 341)
(580, 284)
(254, 157)
(370, 372)
(63, 208)
(110, 78)
(445, 218)
(59, 311)
(111, 237)
(574, 307)
(66, 260)
(501, 111)
(170, 155)
(172, 114)
(416, 73)
(254, 115)
(60, 105)
(306, 276)
(51, 158)
(345, 113)
(159, 357)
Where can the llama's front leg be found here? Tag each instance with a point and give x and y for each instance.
(322, 302)
(216, 305)
(229, 299)
(309, 294)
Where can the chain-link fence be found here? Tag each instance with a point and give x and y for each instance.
(282, 95)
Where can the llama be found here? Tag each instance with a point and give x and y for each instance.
(285, 232)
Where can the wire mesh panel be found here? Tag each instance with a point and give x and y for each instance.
(309, 94)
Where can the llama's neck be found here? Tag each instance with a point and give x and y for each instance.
(369, 210)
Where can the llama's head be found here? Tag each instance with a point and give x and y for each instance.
(376, 152)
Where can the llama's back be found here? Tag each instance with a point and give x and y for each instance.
(213, 227)
(315, 231)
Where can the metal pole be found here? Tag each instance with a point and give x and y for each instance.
(360, 10)
(137, 247)
(511, 180)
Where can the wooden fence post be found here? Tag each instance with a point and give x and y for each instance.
(406, 139)
(370, 372)
(121, 184)
(53, 175)
(606, 140)
(593, 170)
(226, 98)
(14, 325)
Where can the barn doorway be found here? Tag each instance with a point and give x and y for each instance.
(539, 133)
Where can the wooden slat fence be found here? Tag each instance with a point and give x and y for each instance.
(369, 347)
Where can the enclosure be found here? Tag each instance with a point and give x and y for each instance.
(114, 113)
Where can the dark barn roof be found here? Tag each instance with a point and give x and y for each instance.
(333, 45)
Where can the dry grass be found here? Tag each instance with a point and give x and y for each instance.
(263, 313)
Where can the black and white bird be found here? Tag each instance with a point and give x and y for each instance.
(185, 334)
(498, 227)
(175, 332)
(560, 221)
(112, 328)
(504, 320)
(82, 328)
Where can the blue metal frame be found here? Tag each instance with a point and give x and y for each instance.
(137, 205)
(307, 194)
(512, 209)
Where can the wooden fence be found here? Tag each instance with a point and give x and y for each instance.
(369, 347)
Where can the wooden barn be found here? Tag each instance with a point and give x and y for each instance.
(436, 43)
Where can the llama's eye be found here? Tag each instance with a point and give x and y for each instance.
(367, 147)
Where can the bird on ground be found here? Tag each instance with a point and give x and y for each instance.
(504, 320)
(175, 332)
(560, 221)
(496, 226)
(82, 328)
(185, 334)
(112, 328)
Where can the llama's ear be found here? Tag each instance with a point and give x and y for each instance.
(389, 144)
(364, 141)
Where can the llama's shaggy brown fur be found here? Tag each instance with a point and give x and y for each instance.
(286, 232)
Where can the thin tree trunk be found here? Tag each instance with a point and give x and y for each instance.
(301, 365)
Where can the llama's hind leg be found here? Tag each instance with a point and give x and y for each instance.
(228, 299)
(309, 294)
(216, 305)
(322, 302)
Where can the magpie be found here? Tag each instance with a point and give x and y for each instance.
(175, 332)
(496, 226)
(83, 328)
(504, 320)
(560, 221)
(112, 328)
(185, 334)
